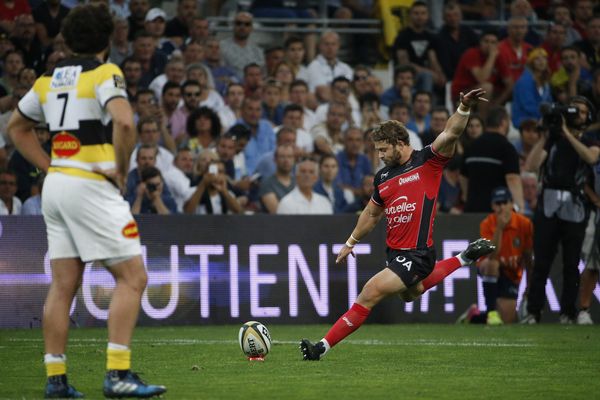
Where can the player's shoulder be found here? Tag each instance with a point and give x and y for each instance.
(383, 174)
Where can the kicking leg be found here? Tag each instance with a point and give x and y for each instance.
(383, 284)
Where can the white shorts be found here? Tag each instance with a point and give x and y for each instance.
(87, 219)
(591, 244)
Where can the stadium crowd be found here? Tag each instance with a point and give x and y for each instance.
(228, 127)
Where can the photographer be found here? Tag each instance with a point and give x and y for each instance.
(152, 196)
(565, 156)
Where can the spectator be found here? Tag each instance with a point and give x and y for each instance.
(241, 136)
(571, 79)
(253, 80)
(293, 115)
(591, 44)
(48, 17)
(491, 162)
(299, 95)
(562, 16)
(9, 202)
(152, 61)
(415, 46)
(370, 110)
(522, 8)
(530, 193)
(132, 73)
(208, 97)
(479, 10)
(237, 51)
(203, 129)
(303, 200)
(199, 30)
(262, 137)
(474, 129)
(171, 96)
(119, 8)
(178, 28)
(403, 88)
(275, 187)
(273, 56)
(193, 53)
(361, 202)
(232, 111)
(226, 152)
(33, 205)
(272, 107)
(512, 234)
(482, 67)
(150, 135)
(563, 209)
(401, 112)
(12, 65)
(514, 50)
(212, 195)
(145, 104)
(328, 135)
(284, 75)
(137, 15)
(421, 117)
(449, 198)
(532, 89)
(439, 117)
(529, 135)
(555, 41)
(360, 81)
(593, 93)
(155, 24)
(222, 75)
(453, 39)
(294, 55)
(191, 91)
(341, 92)
(326, 66)
(120, 47)
(583, 12)
(353, 163)
(25, 40)
(328, 184)
(184, 161)
(10, 10)
(266, 164)
(174, 72)
(151, 195)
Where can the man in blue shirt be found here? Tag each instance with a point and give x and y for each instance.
(262, 139)
(354, 164)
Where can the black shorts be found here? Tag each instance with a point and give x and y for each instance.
(507, 288)
(412, 266)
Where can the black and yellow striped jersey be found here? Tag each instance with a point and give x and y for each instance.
(71, 99)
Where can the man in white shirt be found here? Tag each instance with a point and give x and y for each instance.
(326, 66)
(302, 199)
(9, 203)
(174, 72)
(149, 133)
(293, 118)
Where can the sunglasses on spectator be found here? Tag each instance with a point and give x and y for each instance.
(242, 23)
(191, 94)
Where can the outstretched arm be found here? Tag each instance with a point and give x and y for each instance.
(367, 220)
(445, 143)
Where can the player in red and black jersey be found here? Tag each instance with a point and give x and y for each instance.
(405, 194)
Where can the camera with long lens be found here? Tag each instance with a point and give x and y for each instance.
(553, 114)
(152, 187)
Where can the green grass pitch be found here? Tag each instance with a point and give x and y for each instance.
(377, 362)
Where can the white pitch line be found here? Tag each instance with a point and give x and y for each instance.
(189, 342)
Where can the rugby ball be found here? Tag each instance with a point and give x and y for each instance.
(255, 340)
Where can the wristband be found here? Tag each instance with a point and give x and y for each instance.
(464, 113)
(349, 245)
(355, 239)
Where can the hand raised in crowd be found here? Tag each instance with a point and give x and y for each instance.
(503, 218)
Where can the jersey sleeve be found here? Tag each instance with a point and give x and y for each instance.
(376, 197)
(110, 84)
(434, 158)
(31, 107)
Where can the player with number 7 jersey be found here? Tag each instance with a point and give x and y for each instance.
(405, 195)
(84, 102)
